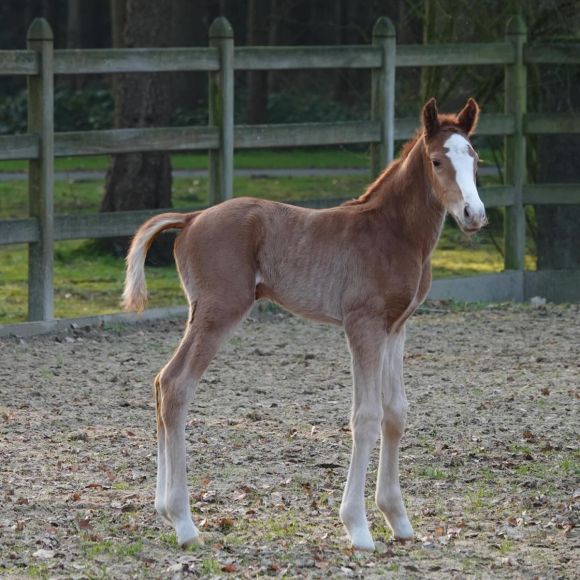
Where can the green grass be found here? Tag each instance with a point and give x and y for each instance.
(85, 196)
(92, 549)
(433, 473)
(210, 566)
(247, 159)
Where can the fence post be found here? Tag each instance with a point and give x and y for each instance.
(41, 173)
(515, 147)
(221, 112)
(383, 95)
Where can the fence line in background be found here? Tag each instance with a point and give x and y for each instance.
(41, 145)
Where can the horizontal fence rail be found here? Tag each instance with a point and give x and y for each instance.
(409, 55)
(40, 63)
(111, 141)
(18, 62)
(132, 60)
(124, 223)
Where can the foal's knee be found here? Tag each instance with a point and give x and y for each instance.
(172, 396)
(366, 426)
(395, 418)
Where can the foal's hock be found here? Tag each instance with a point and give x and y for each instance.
(365, 265)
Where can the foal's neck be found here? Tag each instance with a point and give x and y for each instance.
(405, 196)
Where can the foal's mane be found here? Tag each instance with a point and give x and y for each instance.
(447, 123)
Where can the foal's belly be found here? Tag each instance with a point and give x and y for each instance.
(307, 305)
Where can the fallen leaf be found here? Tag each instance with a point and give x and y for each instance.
(84, 524)
(225, 523)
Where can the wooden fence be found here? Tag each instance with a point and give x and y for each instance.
(40, 63)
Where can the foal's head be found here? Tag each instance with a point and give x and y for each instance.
(453, 163)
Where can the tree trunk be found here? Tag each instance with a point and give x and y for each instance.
(190, 26)
(74, 35)
(258, 16)
(140, 180)
(558, 234)
(558, 237)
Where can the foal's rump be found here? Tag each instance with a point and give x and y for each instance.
(216, 249)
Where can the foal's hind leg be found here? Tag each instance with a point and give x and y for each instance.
(366, 339)
(176, 386)
(388, 496)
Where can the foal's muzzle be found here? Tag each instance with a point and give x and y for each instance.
(473, 218)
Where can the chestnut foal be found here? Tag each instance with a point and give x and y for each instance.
(364, 265)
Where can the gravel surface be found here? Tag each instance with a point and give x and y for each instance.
(489, 463)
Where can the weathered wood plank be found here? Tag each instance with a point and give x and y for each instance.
(125, 60)
(41, 174)
(497, 195)
(131, 140)
(102, 225)
(489, 124)
(305, 134)
(306, 57)
(201, 138)
(29, 329)
(555, 285)
(550, 123)
(383, 95)
(455, 54)
(19, 147)
(552, 194)
(560, 53)
(22, 231)
(18, 62)
(516, 92)
(496, 124)
(499, 287)
(221, 113)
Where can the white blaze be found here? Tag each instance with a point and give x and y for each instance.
(462, 158)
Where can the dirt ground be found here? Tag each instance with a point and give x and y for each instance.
(489, 464)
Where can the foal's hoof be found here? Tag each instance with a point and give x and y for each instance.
(404, 533)
(362, 540)
(188, 534)
(190, 542)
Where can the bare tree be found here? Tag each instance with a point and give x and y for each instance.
(139, 180)
(258, 21)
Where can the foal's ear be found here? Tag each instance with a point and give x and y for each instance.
(430, 118)
(468, 116)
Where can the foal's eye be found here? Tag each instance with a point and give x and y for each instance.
(436, 163)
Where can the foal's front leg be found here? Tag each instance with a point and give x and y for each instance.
(366, 339)
(388, 496)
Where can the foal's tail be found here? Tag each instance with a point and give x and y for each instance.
(135, 293)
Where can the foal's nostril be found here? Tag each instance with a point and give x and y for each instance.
(467, 212)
